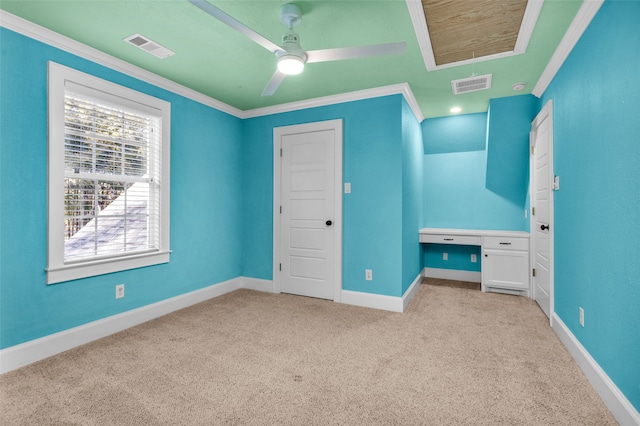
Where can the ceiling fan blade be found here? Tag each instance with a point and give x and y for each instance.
(235, 24)
(355, 52)
(273, 84)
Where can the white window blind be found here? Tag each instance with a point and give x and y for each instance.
(108, 177)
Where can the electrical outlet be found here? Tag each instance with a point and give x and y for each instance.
(119, 291)
(445, 256)
(368, 274)
(582, 317)
(474, 258)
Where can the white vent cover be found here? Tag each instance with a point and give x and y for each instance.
(148, 45)
(471, 84)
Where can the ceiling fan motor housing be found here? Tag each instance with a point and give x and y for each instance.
(291, 44)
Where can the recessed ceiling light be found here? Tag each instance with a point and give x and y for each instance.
(518, 86)
(455, 110)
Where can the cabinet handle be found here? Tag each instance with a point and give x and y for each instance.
(448, 239)
(505, 244)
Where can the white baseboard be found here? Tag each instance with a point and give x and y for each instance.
(35, 350)
(371, 300)
(453, 274)
(412, 290)
(380, 301)
(615, 400)
(257, 284)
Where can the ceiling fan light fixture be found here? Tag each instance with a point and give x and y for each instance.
(290, 64)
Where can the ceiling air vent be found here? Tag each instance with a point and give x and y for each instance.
(471, 84)
(148, 45)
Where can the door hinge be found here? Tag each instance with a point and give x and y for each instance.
(280, 152)
(281, 266)
(533, 211)
(280, 209)
(533, 272)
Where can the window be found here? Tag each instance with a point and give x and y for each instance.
(108, 177)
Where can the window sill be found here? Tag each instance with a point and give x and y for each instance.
(105, 266)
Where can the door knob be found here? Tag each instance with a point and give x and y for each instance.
(329, 223)
(543, 227)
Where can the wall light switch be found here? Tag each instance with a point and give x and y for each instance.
(347, 187)
(445, 256)
(474, 258)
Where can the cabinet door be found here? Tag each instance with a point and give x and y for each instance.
(505, 269)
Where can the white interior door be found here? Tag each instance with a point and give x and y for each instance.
(310, 213)
(541, 173)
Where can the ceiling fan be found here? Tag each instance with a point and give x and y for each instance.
(290, 56)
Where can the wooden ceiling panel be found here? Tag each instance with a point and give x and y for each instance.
(464, 29)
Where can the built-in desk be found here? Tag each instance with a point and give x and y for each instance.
(505, 255)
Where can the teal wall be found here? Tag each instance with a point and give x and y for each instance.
(457, 133)
(476, 175)
(509, 124)
(412, 193)
(597, 156)
(372, 213)
(221, 205)
(206, 226)
(455, 170)
(458, 257)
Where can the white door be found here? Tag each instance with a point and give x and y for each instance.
(541, 176)
(310, 213)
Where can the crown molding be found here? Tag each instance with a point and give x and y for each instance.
(416, 12)
(44, 35)
(529, 19)
(394, 89)
(51, 38)
(579, 24)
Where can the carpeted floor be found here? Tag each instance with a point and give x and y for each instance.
(456, 357)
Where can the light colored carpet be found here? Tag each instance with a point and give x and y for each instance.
(456, 357)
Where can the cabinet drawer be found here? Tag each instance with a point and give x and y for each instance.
(505, 243)
(466, 240)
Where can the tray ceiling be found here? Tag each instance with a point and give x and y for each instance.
(463, 30)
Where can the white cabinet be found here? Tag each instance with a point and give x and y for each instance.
(505, 256)
(505, 265)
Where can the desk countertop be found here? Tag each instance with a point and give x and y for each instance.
(474, 232)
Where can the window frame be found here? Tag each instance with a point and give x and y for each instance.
(57, 270)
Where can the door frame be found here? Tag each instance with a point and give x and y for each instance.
(546, 113)
(278, 132)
